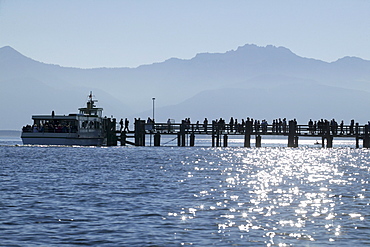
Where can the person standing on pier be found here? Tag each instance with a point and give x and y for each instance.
(121, 125)
(320, 125)
(273, 126)
(310, 126)
(280, 124)
(231, 124)
(284, 125)
(341, 127)
(126, 124)
(264, 126)
(241, 126)
(149, 124)
(295, 125)
(334, 126)
(249, 125)
(187, 122)
(352, 126)
(256, 125)
(169, 125)
(205, 124)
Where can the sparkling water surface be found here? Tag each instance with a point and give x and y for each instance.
(174, 196)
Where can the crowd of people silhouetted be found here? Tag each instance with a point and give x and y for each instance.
(278, 126)
(51, 127)
(253, 125)
(323, 126)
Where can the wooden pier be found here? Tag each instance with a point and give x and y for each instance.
(221, 132)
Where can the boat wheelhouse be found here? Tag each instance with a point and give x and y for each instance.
(85, 128)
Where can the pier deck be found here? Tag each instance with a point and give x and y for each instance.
(220, 132)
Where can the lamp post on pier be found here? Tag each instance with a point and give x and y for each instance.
(152, 123)
(153, 107)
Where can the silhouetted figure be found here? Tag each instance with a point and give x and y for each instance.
(149, 124)
(205, 124)
(357, 129)
(284, 125)
(264, 126)
(169, 125)
(231, 124)
(273, 126)
(121, 125)
(256, 125)
(241, 126)
(334, 127)
(295, 125)
(187, 123)
(342, 127)
(126, 124)
(352, 126)
(320, 125)
(310, 126)
(280, 125)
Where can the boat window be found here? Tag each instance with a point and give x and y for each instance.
(84, 124)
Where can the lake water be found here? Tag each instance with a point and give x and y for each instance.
(174, 196)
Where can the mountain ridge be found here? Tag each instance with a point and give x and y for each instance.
(128, 91)
(11, 52)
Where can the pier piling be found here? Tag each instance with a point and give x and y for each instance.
(157, 139)
(225, 140)
(123, 138)
(258, 141)
(366, 139)
(140, 132)
(292, 140)
(192, 139)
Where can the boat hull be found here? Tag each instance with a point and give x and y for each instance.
(60, 139)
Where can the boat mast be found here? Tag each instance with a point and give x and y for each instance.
(90, 102)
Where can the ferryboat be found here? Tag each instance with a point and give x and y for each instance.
(85, 128)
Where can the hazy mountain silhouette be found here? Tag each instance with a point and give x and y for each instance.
(260, 82)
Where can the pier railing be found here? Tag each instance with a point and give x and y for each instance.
(300, 130)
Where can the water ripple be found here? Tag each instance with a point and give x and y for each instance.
(184, 196)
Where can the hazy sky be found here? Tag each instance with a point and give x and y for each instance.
(122, 33)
